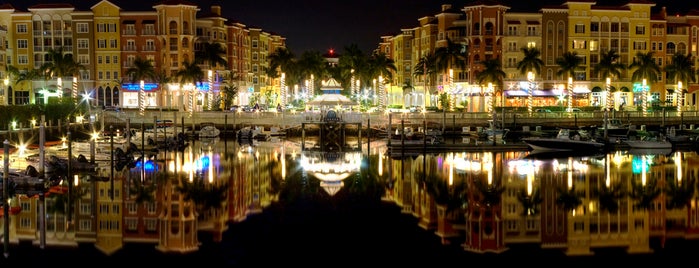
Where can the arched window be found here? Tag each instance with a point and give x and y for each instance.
(185, 43)
(670, 48)
(173, 27)
(489, 28)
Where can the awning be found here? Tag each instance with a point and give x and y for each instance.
(625, 89)
(596, 89)
(129, 22)
(524, 93)
(533, 22)
(513, 22)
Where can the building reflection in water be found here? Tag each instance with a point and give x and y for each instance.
(483, 201)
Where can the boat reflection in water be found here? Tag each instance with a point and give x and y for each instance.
(276, 198)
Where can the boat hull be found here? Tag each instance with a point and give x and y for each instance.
(642, 144)
(556, 144)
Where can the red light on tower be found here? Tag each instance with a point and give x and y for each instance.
(332, 51)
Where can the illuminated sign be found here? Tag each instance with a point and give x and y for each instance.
(137, 87)
(154, 86)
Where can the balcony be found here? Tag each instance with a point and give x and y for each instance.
(148, 32)
(148, 48)
(129, 32)
(129, 48)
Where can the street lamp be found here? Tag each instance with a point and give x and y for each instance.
(608, 97)
(570, 94)
(59, 87)
(679, 98)
(74, 91)
(142, 99)
(644, 100)
(530, 97)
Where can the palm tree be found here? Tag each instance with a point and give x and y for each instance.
(426, 67)
(530, 63)
(681, 69)
(190, 73)
(450, 56)
(492, 73)
(645, 67)
(61, 64)
(312, 63)
(229, 91)
(679, 194)
(489, 195)
(18, 76)
(531, 203)
(609, 65)
(204, 195)
(569, 63)
(281, 60)
(211, 53)
(381, 65)
(644, 194)
(142, 69)
(353, 59)
(569, 199)
(609, 196)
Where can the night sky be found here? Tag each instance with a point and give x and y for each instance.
(322, 25)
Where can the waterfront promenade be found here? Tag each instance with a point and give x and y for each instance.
(449, 122)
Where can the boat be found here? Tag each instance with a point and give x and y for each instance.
(565, 140)
(550, 154)
(652, 151)
(659, 142)
(208, 130)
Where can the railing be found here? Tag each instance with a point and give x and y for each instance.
(449, 121)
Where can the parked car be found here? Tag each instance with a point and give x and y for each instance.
(542, 110)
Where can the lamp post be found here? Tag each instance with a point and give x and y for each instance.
(142, 98)
(570, 94)
(490, 100)
(530, 97)
(452, 89)
(59, 87)
(210, 92)
(644, 100)
(282, 89)
(679, 98)
(608, 96)
(382, 94)
(74, 91)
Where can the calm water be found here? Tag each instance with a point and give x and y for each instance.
(294, 206)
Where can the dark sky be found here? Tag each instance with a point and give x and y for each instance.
(322, 25)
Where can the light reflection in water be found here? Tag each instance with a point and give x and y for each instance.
(484, 201)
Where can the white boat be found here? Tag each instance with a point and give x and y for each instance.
(565, 140)
(208, 130)
(650, 143)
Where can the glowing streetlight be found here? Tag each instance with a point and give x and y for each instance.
(608, 97)
(59, 87)
(644, 100)
(142, 98)
(679, 98)
(570, 94)
(210, 93)
(74, 91)
(530, 97)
